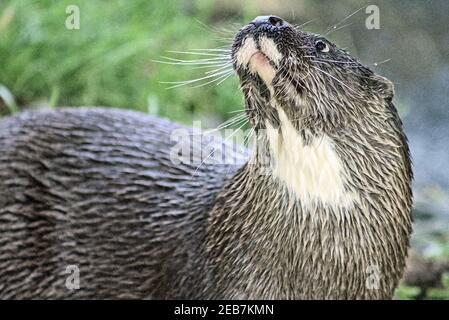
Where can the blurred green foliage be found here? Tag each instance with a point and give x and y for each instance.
(407, 292)
(109, 61)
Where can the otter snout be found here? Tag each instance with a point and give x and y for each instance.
(255, 50)
(268, 21)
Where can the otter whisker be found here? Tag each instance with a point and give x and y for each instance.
(281, 72)
(336, 79)
(212, 57)
(211, 61)
(240, 110)
(224, 79)
(199, 53)
(219, 60)
(224, 141)
(225, 66)
(220, 79)
(248, 136)
(197, 64)
(213, 50)
(198, 79)
(245, 143)
(234, 123)
(289, 77)
(230, 122)
(284, 89)
(327, 63)
(336, 29)
(344, 19)
(215, 60)
(215, 77)
(305, 23)
(225, 40)
(222, 31)
(381, 62)
(334, 61)
(208, 66)
(303, 78)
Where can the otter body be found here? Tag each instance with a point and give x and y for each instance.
(321, 210)
(96, 189)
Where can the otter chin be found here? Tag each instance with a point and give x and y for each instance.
(260, 56)
(259, 63)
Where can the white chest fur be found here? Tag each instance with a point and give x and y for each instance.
(313, 171)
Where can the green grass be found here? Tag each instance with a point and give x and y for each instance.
(404, 292)
(110, 60)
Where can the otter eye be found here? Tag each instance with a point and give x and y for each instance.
(321, 46)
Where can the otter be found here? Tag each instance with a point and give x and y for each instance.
(320, 210)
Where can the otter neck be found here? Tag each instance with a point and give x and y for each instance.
(296, 223)
(306, 163)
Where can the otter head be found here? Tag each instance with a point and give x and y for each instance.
(318, 85)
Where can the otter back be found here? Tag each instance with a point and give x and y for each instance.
(95, 189)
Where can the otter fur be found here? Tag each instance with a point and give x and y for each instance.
(320, 210)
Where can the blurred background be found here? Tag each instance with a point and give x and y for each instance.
(110, 61)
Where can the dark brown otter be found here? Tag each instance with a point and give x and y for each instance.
(331, 219)
(321, 210)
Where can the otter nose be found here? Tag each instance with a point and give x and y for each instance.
(268, 20)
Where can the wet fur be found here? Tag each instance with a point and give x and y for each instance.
(312, 249)
(96, 188)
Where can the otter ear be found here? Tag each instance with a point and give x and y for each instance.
(383, 86)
